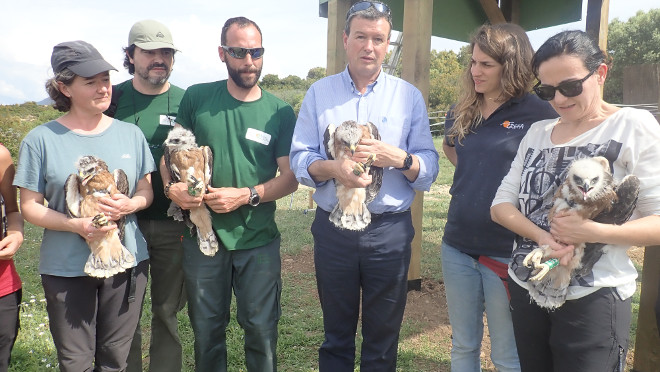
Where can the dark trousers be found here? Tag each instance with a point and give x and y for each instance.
(254, 275)
(91, 319)
(9, 324)
(168, 297)
(588, 334)
(374, 261)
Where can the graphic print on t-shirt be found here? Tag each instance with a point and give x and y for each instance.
(543, 171)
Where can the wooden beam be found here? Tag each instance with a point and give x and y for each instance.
(336, 57)
(597, 21)
(493, 12)
(416, 61)
(647, 343)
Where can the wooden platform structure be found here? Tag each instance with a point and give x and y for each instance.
(419, 20)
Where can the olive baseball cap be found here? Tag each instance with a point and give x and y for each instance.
(150, 35)
(79, 57)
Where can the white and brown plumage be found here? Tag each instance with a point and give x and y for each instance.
(351, 210)
(592, 193)
(83, 190)
(187, 162)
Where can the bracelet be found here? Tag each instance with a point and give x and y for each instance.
(166, 190)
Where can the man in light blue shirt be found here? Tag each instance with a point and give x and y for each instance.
(374, 260)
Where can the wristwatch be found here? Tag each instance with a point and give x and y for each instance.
(254, 197)
(407, 162)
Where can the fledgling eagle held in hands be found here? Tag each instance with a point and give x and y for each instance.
(590, 190)
(82, 191)
(193, 165)
(351, 210)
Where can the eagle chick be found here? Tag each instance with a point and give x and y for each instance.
(187, 162)
(351, 210)
(590, 190)
(82, 191)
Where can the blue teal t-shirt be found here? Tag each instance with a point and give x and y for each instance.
(48, 155)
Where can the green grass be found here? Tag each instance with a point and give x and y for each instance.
(300, 328)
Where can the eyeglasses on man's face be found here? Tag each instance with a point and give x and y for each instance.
(240, 53)
(364, 5)
(567, 89)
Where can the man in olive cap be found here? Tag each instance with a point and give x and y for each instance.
(151, 102)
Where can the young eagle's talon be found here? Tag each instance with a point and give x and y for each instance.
(99, 220)
(358, 169)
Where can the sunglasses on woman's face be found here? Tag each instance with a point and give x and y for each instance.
(240, 53)
(567, 89)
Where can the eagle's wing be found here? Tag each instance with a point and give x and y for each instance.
(376, 173)
(329, 141)
(622, 208)
(175, 175)
(121, 181)
(208, 164)
(72, 195)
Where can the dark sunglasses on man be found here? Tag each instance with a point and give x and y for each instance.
(567, 89)
(240, 53)
(364, 5)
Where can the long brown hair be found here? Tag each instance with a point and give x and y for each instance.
(508, 44)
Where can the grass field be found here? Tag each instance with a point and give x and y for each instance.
(425, 334)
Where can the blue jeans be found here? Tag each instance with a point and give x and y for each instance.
(471, 289)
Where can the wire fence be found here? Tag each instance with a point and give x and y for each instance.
(437, 122)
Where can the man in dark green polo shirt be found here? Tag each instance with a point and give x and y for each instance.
(151, 102)
(249, 131)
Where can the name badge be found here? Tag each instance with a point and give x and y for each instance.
(257, 136)
(167, 120)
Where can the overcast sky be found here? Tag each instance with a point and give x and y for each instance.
(294, 36)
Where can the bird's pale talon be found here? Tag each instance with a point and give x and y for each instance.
(99, 220)
(358, 169)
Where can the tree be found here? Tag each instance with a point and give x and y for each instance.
(631, 43)
(445, 76)
(270, 82)
(315, 74)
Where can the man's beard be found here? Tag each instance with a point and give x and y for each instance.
(247, 82)
(155, 81)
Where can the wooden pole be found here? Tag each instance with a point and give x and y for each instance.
(647, 342)
(336, 58)
(416, 59)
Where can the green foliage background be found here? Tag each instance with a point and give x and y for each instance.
(634, 42)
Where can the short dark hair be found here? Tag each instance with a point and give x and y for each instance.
(370, 13)
(130, 51)
(241, 22)
(574, 43)
(60, 101)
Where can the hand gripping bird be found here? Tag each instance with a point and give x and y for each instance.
(590, 190)
(351, 210)
(82, 192)
(193, 165)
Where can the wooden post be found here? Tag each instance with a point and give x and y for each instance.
(336, 58)
(647, 343)
(416, 59)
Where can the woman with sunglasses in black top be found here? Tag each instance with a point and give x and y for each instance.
(589, 331)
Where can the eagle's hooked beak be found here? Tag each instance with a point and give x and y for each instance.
(85, 177)
(585, 190)
(352, 148)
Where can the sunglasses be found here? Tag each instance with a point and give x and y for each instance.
(240, 53)
(364, 5)
(567, 89)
